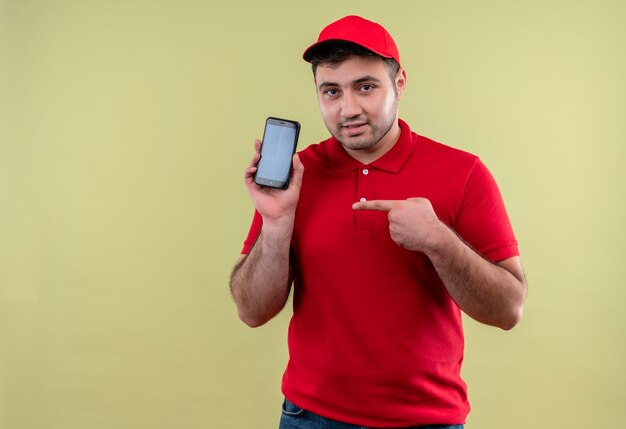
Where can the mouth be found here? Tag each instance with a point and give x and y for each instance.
(354, 128)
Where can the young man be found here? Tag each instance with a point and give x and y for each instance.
(386, 236)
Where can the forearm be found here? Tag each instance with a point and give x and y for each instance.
(260, 282)
(487, 292)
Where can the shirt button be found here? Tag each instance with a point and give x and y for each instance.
(362, 200)
(365, 171)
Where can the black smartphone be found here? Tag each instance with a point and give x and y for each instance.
(277, 148)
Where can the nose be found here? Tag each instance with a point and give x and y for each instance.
(349, 105)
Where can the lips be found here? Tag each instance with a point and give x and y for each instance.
(354, 128)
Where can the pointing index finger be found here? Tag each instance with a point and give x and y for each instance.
(379, 205)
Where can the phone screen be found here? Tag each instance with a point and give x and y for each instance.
(279, 144)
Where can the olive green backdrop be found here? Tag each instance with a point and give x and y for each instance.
(125, 127)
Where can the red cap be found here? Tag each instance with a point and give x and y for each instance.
(360, 31)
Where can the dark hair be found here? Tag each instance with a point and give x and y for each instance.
(334, 53)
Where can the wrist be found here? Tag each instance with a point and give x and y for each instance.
(437, 245)
(278, 227)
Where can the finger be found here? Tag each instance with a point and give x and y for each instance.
(297, 173)
(379, 205)
(251, 168)
(252, 165)
(257, 155)
(249, 172)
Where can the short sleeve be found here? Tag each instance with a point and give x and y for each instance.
(253, 233)
(482, 220)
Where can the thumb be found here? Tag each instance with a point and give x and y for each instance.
(298, 172)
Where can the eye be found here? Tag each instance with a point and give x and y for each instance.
(366, 88)
(331, 92)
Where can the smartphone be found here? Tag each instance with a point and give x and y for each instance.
(277, 148)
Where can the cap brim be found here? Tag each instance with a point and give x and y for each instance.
(311, 50)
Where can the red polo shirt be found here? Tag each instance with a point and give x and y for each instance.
(375, 339)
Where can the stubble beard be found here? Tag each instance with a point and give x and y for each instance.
(367, 140)
(373, 134)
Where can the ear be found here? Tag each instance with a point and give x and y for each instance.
(400, 82)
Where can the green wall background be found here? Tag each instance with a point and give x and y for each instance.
(125, 127)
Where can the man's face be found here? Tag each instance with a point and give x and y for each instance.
(358, 101)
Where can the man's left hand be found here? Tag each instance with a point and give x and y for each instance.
(413, 224)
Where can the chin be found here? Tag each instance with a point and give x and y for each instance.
(356, 145)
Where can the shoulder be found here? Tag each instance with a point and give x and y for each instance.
(432, 147)
(314, 154)
(436, 153)
(423, 147)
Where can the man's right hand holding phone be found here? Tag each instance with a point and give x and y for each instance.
(276, 206)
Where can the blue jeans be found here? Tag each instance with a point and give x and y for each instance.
(294, 417)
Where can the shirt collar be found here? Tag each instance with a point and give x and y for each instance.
(392, 161)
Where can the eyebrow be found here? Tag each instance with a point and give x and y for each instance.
(363, 79)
